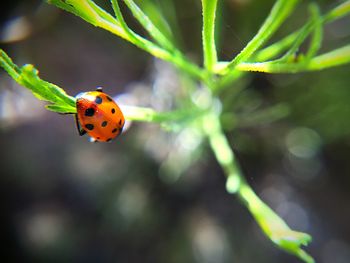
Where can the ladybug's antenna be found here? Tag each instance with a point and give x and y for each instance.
(99, 89)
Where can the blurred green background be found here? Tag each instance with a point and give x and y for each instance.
(64, 199)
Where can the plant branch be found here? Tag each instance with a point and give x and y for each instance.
(208, 33)
(131, 34)
(272, 225)
(333, 58)
(275, 49)
(316, 38)
(147, 24)
(292, 41)
(93, 14)
(28, 76)
(279, 13)
(338, 12)
(133, 113)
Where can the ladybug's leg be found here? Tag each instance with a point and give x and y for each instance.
(81, 131)
(99, 89)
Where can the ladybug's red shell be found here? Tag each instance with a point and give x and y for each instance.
(99, 115)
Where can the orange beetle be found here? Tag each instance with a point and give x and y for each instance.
(98, 115)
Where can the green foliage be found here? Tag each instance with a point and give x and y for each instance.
(206, 116)
(27, 76)
(279, 13)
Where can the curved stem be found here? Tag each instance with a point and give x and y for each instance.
(280, 11)
(272, 225)
(149, 26)
(333, 58)
(279, 46)
(179, 61)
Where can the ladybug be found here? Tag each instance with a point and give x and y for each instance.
(98, 115)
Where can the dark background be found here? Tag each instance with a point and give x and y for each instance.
(63, 199)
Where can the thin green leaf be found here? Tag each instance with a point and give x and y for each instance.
(28, 77)
(90, 12)
(103, 14)
(299, 39)
(110, 24)
(144, 20)
(275, 49)
(8, 65)
(333, 58)
(316, 39)
(80, 8)
(330, 59)
(338, 12)
(61, 109)
(156, 12)
(279, 13)
(315, 26)
(208, 33)
(46, 90)
(133, 36)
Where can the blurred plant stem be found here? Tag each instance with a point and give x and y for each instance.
(273, 226)
(330, 59)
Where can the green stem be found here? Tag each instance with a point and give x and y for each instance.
(133, 113)
(275, 49)
(279, 13)
(171, 54)
(208, 33)
(144, 20)
(340, 11)
(93, 14)
(143, 114)
(131, 34)
(333, 58)
(179, 61)
(316, 38)
(272, 225)
(223, 152)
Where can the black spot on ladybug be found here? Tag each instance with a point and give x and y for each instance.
(109, 98)
(109, 139)
(120, 122)
(113, 110)
(98, 138)
(104, 124)
(98, 100)
(89, 112)
(89, 126)
(114, 130)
